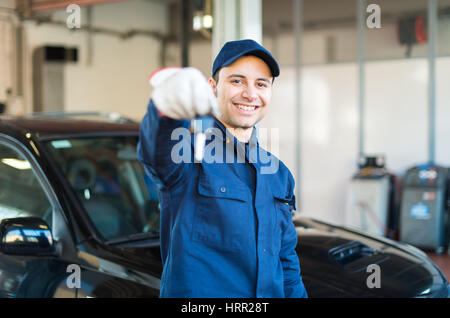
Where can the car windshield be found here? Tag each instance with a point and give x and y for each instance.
(112, 185)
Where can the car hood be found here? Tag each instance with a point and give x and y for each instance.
(335, 262)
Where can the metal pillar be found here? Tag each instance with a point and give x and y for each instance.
(185, 30)
(361, 12)
(250, 20)
(432, 48)
(235, 20)
(298, 30)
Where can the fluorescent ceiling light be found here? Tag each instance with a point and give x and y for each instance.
(207, 21)
(197, 23)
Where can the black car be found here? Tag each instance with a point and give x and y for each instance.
(79, 218)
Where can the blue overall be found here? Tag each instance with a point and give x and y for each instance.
(226, 224)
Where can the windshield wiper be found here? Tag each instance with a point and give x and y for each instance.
(134, 237)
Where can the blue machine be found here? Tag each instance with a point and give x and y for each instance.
(424, 207)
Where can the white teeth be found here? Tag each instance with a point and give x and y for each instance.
(246, 107)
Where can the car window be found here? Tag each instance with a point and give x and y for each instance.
(109, 181)
(21, 194)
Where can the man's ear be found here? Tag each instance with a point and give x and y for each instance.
(213, 84)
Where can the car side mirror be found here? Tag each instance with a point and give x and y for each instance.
(26, 236)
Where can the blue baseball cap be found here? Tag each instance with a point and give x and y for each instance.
(233, 50)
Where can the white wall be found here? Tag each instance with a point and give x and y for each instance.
(8, 21)
(381, 44)
(6, 56)
(396, 125)
(329, 134)
(396, 111)
(395, 115)
(116, 80)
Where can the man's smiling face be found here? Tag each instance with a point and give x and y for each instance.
(244, 91)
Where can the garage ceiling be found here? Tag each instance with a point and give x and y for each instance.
(278, 15)
(28, 7)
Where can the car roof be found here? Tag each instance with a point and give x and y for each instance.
(46, 127)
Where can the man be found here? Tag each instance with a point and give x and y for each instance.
(226, 225)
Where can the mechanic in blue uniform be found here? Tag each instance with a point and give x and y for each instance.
(226, 224)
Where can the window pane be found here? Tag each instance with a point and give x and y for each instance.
(444, 28)
(21, 194)
(329, 31)
(110, 183)
(401, 21)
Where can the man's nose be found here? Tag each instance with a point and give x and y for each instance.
(249, 93)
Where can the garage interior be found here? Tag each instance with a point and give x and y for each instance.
(361, 110)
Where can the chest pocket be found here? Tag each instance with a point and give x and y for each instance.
(224, 214)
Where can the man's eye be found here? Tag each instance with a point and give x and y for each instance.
(262, 85)
(236, 81)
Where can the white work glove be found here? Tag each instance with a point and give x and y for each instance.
(183, 93)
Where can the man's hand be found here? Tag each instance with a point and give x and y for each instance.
(183, 93)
